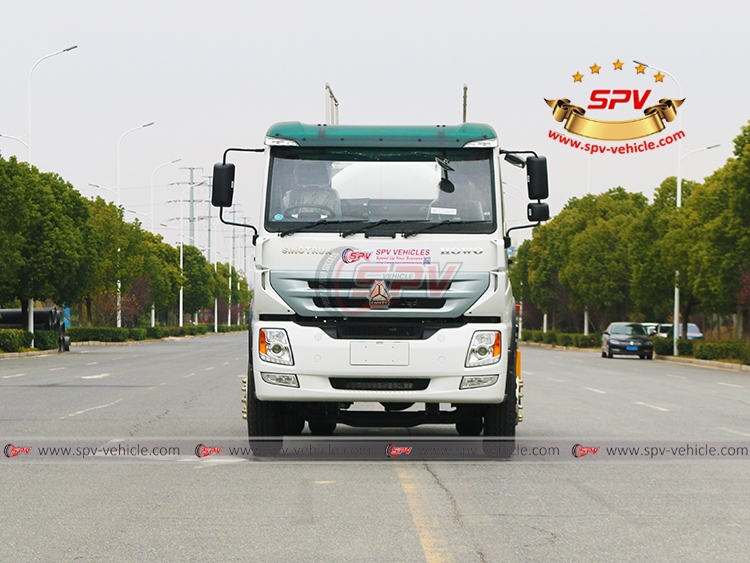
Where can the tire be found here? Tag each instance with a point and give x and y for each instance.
(500, 419)
(604, 354)
(609, 353)
(470, 426)
(322, 428)
(264, 419)
(294, 424)
(650, 356)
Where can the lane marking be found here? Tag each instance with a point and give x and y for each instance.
(91, 363)
(226, 363)
(676, 376)
(652, 406)
(595, 390)
(56, 369)
(527, 372)
(434, 546)
(579, 361)
(733, 431)
(730, 385)
(558, 380)
(15, 375)
(155, 386)
(209, 369)
(96, 376)
(91, 409)
(188, 375)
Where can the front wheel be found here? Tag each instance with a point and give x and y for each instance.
(609, 353)
(264, 419)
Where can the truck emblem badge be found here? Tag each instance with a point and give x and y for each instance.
(379, 297)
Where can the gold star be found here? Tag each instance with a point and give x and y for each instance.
(595, 69)
(640, 69)
(659, 77)
(618, 64)
(578, 77)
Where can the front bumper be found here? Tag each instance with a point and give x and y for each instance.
(438, 359)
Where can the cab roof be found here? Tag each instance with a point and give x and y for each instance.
(434, 136)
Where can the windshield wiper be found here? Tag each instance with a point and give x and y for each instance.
(307, 226)
(431, 226)
(365, 228)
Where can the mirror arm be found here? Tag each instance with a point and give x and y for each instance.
(224, 160)
(506, 238)
(255, 231)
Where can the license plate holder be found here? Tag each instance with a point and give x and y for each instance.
(378, 353)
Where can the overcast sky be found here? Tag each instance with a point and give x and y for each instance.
(216, 74)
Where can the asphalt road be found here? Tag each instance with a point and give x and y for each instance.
(230, 508)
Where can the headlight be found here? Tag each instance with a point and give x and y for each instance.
(485, 348)
(273, 346)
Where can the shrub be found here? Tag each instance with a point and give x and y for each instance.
(587, 341)
(97, 334)
(156, 332)
(46, 339)
(526, 335)
(12, 339)
(662, 346)
(550, 337)
(685, 347)
(565, 339)
(537, 335)
(722, 350)
(137, 333)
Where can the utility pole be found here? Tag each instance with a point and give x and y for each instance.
(191, 218)
(332, 107)
(466, 95)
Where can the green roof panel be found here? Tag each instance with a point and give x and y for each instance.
(442, 136)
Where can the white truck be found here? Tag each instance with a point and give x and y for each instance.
(381, 276)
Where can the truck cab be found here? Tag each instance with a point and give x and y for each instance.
(381, 278)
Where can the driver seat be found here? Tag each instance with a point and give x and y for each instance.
(313, 181)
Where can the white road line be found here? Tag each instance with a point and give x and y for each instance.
(595, 390)
(92, 363)
(558, 380)
(676, 376)
(155, 386)
(188, 375)
(56, 369)
(652, 406)
(733, 431)
(729, 384)
(579, 361)
(226, 363)
(91, 409)
(209, 369)
(96, 376)
(15, 375)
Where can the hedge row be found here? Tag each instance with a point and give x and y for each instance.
(722, 350)
(563, 338)
(12, 339)
(110, 334)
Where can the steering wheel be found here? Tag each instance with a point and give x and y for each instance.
(331, 213)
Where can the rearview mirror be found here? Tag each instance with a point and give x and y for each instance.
(223, 185)
(537, 212)
(536, 170)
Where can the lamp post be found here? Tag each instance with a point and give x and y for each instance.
(119, 281)
(15, 139)
(676, 314)
(30, 318)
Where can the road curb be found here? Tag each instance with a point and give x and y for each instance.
(9, 355)
(678, 360)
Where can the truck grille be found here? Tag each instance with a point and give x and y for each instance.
(312, 295)
(379, 384)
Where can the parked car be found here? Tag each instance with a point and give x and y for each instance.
(627, 339)
(663, 329)
(650, 328)
(693, 332)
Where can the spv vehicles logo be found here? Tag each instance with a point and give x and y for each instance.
(595, 104)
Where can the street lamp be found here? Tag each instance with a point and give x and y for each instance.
(15, 139)
(28, 145)
(119, 281)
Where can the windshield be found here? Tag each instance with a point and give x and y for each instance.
(629, 329)
(380, 191)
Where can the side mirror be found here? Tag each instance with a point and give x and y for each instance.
(538, 185)
(223, 185)
(537, 212)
